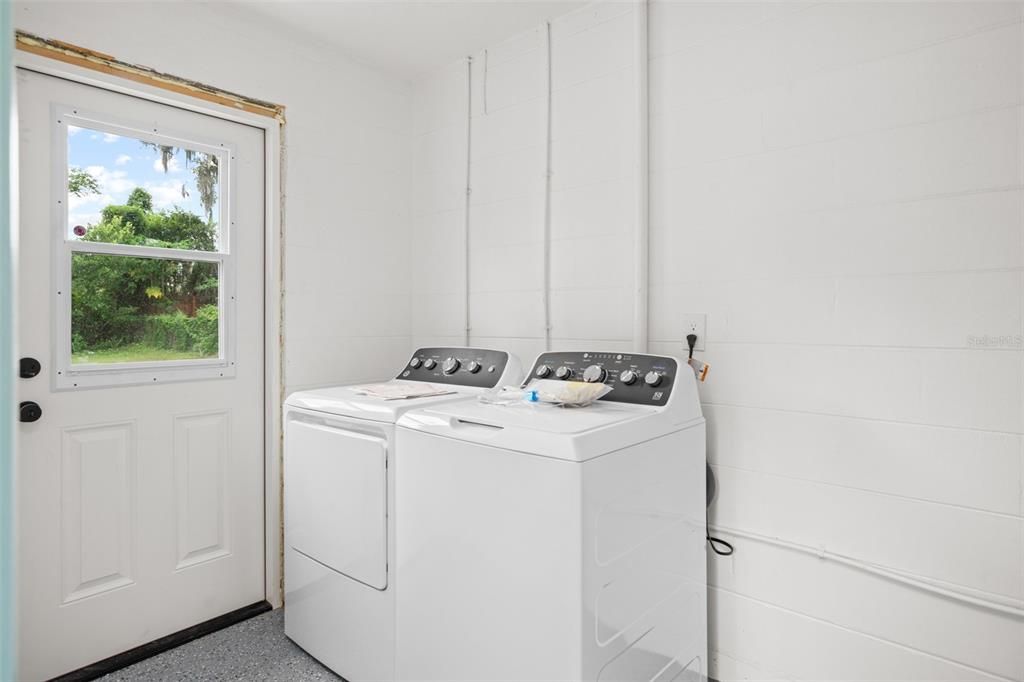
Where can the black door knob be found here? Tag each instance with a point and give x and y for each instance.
(30, 411)
(29, 367)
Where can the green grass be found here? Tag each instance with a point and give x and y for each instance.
(136, 352)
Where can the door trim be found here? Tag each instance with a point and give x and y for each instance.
(273, 338)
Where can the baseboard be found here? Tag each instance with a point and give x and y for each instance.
(158, 646)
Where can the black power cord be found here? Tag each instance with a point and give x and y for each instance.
(718, 545)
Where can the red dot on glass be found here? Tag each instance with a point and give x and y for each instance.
(79, 231)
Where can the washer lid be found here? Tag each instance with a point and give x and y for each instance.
(345, 401)
(539, 416)
(574, 434)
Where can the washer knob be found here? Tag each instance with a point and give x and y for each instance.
(563, 372)
(429, 363)
(542, 371)
(594, 374)
(450, 366)
(652, 378)
(473, 367)
(415, 363)
(628, 377)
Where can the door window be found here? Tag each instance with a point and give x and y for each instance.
(143, 264)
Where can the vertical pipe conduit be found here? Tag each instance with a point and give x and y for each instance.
(466, 328)
(641, 282)
(547, 198)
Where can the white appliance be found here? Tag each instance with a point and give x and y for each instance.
(547, 543)
(339, 507)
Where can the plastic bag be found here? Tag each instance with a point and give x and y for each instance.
(568, 393)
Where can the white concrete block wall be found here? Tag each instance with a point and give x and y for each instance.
(439, 111)
(839, 187)
(507, 201)
(593, 204)
(347, 230)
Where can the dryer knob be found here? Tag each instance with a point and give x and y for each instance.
(594, 374)
(415, 363)
(429, 363)
(563, 373)
(451, 365)
(652, 378)
(542, 372)
(473, 367)
(628, 377)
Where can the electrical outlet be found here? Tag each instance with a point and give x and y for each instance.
(695, 323)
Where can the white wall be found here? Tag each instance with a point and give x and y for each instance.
(839, 188)
(346, 254)
(593, 189)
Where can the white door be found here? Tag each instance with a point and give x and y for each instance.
(141, 295)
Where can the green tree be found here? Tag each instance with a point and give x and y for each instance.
(205, 170)
(114, 296)
(177, 228)
(81, 183)
(140, 198)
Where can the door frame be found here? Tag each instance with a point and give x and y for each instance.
(273, 339)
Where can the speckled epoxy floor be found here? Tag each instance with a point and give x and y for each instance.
(255, 649)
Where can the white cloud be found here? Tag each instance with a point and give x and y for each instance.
(172, 165)
(112, 182)
(86, 210)
(110, 137)
(122, 160)
(73, 130)
(83, 218)
(165, 194)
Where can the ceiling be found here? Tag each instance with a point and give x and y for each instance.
(408, 38)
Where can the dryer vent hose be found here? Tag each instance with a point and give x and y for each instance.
(712, 484)
(718, 545)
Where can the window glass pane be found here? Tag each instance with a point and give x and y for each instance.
(122, 190)
(130, 309)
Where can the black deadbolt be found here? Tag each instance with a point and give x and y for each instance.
(30, 411)
(29, 368)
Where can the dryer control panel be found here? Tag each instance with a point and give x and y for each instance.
(635, 378)
(477, 367)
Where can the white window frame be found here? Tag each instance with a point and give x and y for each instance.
(71, 376)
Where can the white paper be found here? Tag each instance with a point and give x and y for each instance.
(400, 391)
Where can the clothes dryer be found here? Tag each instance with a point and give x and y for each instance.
(339, 505)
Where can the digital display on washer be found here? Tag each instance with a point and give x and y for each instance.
(477, 367)
(635, 378)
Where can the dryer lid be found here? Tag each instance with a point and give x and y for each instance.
(346, 401)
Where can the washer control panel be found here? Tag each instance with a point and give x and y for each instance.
(478, 367)
(635, 378)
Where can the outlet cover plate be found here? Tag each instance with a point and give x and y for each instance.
(694, 323)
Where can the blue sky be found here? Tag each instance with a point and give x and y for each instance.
(120, 164)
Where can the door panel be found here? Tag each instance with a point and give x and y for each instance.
(201, 448)
(97, 508)
(140, 504)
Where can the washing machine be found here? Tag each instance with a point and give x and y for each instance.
(539, 542)
(339, 505)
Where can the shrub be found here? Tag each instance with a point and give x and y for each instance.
(178, 331)
(206, 330)
(120, 300)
